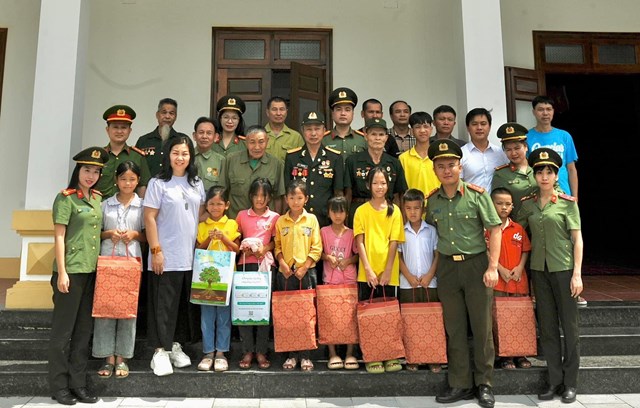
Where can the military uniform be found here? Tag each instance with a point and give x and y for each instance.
(210, 168)
(236, 104)
(460, 222)
(107, 184)
(236, 145)
(151, 144)
(279, 145)
(350, 144)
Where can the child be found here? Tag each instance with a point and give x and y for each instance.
(257, 222)
(340, 255)
(377, 227)
(514, 252)
(217, 233)
(298, 248)
(122, 232)
(418, 258)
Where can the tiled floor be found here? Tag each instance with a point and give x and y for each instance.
(611, 287)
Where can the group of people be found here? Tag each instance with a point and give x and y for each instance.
(401, 211)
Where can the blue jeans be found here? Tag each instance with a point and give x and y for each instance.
(215, 322)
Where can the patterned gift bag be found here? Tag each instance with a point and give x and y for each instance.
(514, 326)
(337, 317)
(423, 334)
(117, 287)
(294, 320)
(380, 329)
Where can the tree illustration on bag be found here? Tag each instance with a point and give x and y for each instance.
(211, 275)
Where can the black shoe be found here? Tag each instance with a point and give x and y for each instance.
(551, 390)
(455, 394)
(569, 395)
(64, 397)
(84, 395)
(485, 396)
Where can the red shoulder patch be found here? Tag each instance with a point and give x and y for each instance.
(328, 132)
(360, 132)
(139, 151)
(504, 166)
(476, 188)
(68, 192)
(527, 197)
(567, 197)
(97, 192)
(432, 192)
(241, 137)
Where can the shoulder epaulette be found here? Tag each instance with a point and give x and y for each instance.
(432, 192)
(504, 166)
(527, 197)
(141, 152)
(333, 150)
(68, 191)
(97, 192)
(295, 149)
(567, 197)
(476, 188)
(241, 137)
(360, 132)
(328, 132)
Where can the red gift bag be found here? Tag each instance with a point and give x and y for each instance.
(514, 326)
(423, 334)
(337, 316)
(380, 329)
(294, 320)
(117, 287)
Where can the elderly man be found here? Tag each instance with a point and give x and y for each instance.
(281, 137)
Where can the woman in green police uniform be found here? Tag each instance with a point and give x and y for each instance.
(556, 265)
(77, 222)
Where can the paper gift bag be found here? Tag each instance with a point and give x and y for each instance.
(251, 298)
(337, 316)
(423, 333)
(380, 329)
(212, 277)
(117, 287)
(514, 326)
(294, 320)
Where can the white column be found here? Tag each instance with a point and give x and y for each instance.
(482, 70)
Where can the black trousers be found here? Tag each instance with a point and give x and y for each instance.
(254, 338)
(364, 291)
(71, 330)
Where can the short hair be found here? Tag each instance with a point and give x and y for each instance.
(255, 129)
(167, 101)
(418, 118)
(258, 184)
(444, 109)
(394, 104)
(413, 194)
(541, 99)
(214, 191)
(206, 119)
(500, 190)
(370, 100)
(297, 185)
(337, 204)
(277, 99)
(477, 112)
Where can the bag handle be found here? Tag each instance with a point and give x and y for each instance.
(287, 280)
(221, 246)
(126, 250)
(384, 293)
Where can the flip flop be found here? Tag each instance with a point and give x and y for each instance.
(306, 364)
(435, 368)
(263, 362)
(522, 362)
(206, 362)
(375, 367)
(123, 368)
(245, 363)
(220, 364)
(290, 364)
(507, 364)
(335, 363)
(391, 366)
(350, 363)
(106, 368)
(412, 367)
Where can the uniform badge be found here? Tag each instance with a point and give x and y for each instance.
(285, 231)
(95, 154)
(306, 231)
(510, 130)
(342, 94)
(231, 102)
(120, 112)
(214, 172)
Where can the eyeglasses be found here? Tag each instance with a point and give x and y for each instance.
(230, 118)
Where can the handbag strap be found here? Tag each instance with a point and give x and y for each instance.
(126, 250)
(221, 246)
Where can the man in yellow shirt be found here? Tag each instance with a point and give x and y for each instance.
(418, 167)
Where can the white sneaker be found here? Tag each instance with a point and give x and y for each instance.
(178, 358)
(161, 364)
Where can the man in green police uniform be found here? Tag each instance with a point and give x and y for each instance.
(152, 142)
(321, 168)
(243, 167)
(119, 119)
(209, 163)
(343, 138)
(281, 137)
(461, 212)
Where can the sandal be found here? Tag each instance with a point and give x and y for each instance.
(263, 362)
(522, 362)
(306, 364)
(220, 364)
(350, 363)
(391, 366)
(245, 363)
(412, 367)
(290, 364)
(206, 362)
(106, 371)
(122, 370)
(375, 367)
(435, 368)
(507, 364)
(335, 363)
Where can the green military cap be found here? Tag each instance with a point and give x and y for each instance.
(544, 156)
(444, 148)
(95, 156)
(231, 102)
(512, 132)
(313, 117)
(121, 113)
(342, 95)
(375, 123)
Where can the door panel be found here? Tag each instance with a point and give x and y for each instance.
(522, 85)
(252, 85)
(308, 91)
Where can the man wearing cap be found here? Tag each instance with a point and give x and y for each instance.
(516, 176)
(230, 109)
(152, 142)
(321, 168)
(358, 165)
(119, 119)
(281, 137)
(343, 138)
(466, 275)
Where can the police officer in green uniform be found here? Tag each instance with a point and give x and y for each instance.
(209, 163)
(77, 222)
(358, 165)
(231, 136)
(466, 276)
(321, 168)
(516, 176)
(119, 119)
(281, 137)
(152, 142)
(556, 267)
(342, 137)
(243, 167)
